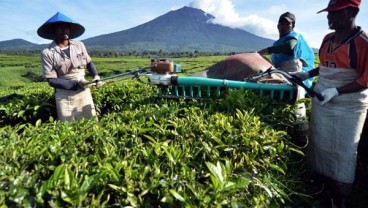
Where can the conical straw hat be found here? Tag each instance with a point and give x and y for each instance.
(47, 30)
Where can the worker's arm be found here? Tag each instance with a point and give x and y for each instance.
(284, 48)
(63, 83)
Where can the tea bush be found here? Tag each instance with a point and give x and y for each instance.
(145, 151)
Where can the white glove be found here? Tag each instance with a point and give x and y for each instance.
(300, 74)
(328, 94)
(97, 81)
(84, 83)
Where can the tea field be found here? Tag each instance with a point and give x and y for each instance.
(145, 151)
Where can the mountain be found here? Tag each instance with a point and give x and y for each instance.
(18, 44)
(185, 29)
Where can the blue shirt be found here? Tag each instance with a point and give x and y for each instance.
(301, 50)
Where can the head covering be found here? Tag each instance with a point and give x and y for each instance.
(290, 17)
(47, 30)
(335, 5)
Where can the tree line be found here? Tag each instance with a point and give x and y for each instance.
(143, 54)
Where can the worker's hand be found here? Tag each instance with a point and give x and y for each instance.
(97, 81)
(84, 84)
(328, 94)
(300, 74)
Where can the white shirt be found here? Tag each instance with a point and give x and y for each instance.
(55, 63)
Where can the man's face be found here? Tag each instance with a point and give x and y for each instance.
(62, 31)
(340, 19)
(284, 27)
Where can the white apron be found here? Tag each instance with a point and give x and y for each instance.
(336, 126)
(295, 65)
(73, 105)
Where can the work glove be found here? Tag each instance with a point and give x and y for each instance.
(97, 81)
(84, 84)
(328, 94)
(300, 74)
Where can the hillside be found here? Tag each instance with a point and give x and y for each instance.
(181, 30)
(185, 29)
(18, 44)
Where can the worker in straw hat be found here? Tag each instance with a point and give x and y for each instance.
(64, 63)
(337, 122)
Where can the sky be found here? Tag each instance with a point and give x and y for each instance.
(22, 18)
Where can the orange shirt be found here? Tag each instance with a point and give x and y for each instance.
(351, 54)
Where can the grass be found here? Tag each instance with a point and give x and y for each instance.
(14, 77)
(14, 68)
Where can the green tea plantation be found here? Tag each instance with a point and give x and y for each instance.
(143, 150)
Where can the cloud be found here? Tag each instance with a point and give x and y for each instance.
(226, 15)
